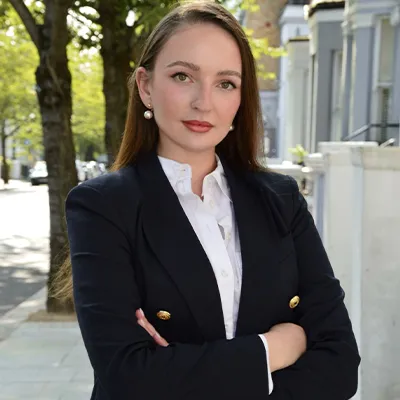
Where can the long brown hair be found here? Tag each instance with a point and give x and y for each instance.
(241, 148)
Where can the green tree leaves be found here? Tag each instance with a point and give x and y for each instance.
(19, 111)
(88, 117)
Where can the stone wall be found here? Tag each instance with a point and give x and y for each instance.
(360, 207)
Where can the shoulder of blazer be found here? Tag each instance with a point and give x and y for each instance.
(276, 183)
(280, 194)
(114, 197)
(121, 182)
(119, 189)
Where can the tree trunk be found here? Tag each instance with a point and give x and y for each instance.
(116, 54)
(53, 86)
(53, 80)
(89, 153)
(5, 173)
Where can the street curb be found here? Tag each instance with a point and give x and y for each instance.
(11, 320)
(14, 184)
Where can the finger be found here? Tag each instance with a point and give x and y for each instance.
(160, 340)
(153, 333)
(140, 316)
(142, 321)
(147, 326)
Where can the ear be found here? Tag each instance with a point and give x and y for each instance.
(144, 85)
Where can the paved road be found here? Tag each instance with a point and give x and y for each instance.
(24, 231)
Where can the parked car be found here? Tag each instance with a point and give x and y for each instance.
(93, 169)
(38, 174)
(80, 169)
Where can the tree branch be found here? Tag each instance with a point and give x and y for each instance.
(16, 129)
(28, 20)
(83, 18)
(3, 130)
(4, 104)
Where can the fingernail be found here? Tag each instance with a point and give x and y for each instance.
(141, 312)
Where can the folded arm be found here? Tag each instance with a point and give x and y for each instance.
(129, 363)
(124, 356)
(329, 368)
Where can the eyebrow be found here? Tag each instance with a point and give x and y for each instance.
(195, 67)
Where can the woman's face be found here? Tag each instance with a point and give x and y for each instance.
(194, 89)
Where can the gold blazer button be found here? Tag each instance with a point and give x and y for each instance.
(294, 302)
(164, 315)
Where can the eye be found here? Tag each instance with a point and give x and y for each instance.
(180, 77)
(227, 85)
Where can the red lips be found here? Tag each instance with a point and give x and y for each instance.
(198, 126)
(198, 123)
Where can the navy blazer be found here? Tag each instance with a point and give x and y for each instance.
(132, 246)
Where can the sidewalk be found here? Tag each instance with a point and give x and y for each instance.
(14, 184)
(42, 360)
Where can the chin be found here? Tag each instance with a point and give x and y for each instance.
(204, 143)
(200, 147)
(191, 142)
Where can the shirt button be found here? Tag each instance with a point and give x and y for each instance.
(212, 203)
(224, 273)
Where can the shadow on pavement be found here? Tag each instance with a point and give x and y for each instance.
(23, 269)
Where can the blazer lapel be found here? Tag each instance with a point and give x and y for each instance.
(178, 249)
(260, 242)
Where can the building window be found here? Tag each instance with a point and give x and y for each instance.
(381, 112)
(310, 143)
(337, 58)
(384, 113)
(387, 42)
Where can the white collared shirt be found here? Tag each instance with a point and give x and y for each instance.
(213, 221)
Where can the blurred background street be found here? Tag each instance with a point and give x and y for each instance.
(24, 242)
(329, 88)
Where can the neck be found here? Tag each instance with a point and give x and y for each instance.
(201, 165)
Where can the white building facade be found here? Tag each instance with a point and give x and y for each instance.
(293, 77)
(353, 76)
(371, 70)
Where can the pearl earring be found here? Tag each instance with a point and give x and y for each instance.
(231, 128)
(148, 114)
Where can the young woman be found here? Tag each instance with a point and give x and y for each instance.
(196, 273)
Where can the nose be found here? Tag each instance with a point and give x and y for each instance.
(202, 100)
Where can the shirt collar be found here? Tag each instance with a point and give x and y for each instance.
(176, 172)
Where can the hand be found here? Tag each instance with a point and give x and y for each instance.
(286, 343)
(142, 321)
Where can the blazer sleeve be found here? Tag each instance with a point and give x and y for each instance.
(127, 363)
(329, 368)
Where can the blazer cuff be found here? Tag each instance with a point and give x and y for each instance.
(270, 381)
